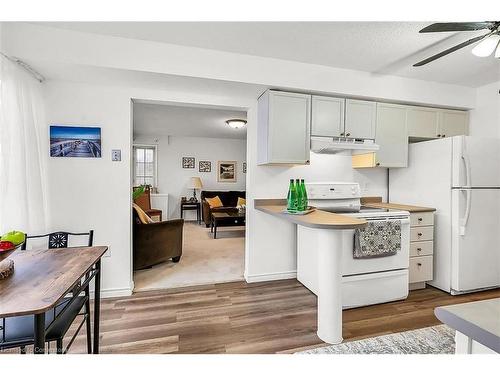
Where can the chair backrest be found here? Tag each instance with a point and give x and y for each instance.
(144, 200)
(58, 240)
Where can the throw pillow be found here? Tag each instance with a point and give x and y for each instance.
(143, 217)
(214, 202)
(241, 202)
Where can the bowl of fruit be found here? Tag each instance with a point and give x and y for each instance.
(9, 242)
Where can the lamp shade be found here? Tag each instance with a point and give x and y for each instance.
(195, 183)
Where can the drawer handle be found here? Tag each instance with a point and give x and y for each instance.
(341, 134)
(439, 135)
(419, 234)
(419, 264)
(419, 249)
(420, 219)
(348, 134)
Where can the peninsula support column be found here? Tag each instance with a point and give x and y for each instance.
(330, 285)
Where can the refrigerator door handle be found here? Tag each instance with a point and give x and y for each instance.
(466, 160)
(465, 219)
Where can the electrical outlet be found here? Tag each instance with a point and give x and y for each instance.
(116, 155)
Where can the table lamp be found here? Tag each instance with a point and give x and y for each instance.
(195, 183)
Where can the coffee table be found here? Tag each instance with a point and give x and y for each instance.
(226, 219)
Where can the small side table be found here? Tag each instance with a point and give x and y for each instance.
(190, 206)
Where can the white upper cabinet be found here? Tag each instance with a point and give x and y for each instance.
(360, 119)
(423, 122)
(453, 123)
(327, 116)
(436, 123)
(283, 128)
(392, 136)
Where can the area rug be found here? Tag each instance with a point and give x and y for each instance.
(431, 340)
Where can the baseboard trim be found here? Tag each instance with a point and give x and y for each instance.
(110, 293)
(270, 276)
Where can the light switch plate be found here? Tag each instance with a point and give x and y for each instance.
(116, 155)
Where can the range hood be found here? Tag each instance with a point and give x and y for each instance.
(334, 145)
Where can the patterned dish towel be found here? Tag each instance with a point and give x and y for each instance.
(377, 239)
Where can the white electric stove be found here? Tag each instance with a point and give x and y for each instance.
(364, 281)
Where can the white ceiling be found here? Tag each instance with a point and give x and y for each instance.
(157, 119)
(375, 47)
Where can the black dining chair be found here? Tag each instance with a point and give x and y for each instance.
(18, 332)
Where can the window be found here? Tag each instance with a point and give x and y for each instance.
(144, 165)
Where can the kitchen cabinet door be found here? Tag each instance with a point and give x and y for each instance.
(327, 116)
(391, 136)
(423, 122)
(453, 123)
(284, 128)
(360, 119)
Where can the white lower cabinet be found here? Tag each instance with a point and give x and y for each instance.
(421, 249)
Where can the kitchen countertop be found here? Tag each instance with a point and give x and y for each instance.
(398, 206)
(316, 219)
(478, 320)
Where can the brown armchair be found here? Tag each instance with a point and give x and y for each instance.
(156, 242)
(144, 202)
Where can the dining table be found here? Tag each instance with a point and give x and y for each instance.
(43, 277)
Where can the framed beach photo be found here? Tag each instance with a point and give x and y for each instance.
(75, 141)
(226, 171)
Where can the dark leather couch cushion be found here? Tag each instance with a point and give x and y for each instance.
(228, 198)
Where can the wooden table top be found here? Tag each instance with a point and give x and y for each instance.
(42, 278)
(316, 219)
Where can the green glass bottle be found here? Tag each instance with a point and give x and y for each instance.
(305, 201)
(300, 207)
(292, 197)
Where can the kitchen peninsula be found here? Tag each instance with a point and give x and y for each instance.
(327, 227)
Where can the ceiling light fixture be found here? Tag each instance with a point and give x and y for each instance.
(236, 123)
(487, 46)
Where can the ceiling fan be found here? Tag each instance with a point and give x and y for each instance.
(489, 41)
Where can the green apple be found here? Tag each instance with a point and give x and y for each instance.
(15, 237)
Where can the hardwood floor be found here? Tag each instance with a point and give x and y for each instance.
(269, 317)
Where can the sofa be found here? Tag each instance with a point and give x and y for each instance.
(229, 200)
(156, 242)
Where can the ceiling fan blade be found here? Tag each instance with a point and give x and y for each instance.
(457, 26)
(452, 49)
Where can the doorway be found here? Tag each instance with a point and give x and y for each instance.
(192, 165)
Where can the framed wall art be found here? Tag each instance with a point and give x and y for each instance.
(188, 163)
(75, 141)
(205, 166)
(226, 171)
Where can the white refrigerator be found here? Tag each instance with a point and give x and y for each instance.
(460, 177)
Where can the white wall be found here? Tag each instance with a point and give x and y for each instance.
(173, 179)
(485, 117)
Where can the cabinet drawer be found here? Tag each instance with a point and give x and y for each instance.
(422, 219)
(421, 233)
(420, 248)
(420, 269)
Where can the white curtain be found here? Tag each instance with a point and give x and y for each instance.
(23, 149)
